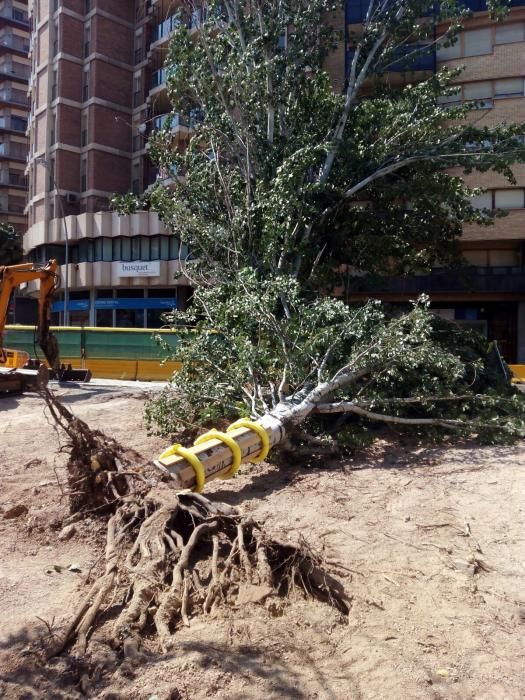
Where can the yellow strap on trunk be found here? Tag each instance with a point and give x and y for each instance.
(230, 442)
(261, 432)
(180, 451)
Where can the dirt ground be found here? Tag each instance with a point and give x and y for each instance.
(429, 542)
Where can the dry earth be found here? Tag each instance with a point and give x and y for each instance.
(429, 541)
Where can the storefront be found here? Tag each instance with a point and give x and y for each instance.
(119, 308)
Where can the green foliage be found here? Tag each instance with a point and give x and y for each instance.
(11, 251)
(289, 178)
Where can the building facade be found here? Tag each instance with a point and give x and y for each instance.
(98, 89)
(488, 294)
(14, 79)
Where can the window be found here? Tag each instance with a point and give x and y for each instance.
(55, 38)
(447, 53)
(145, 248)
(164, 248)
(126, 250)
(479, 258)
(53, 130)
(85, 85)
(155, 247)
(509, 87)
(480, 92)
(87, 6)
(51, 174)
(87, 42)
(504, 258)
(509, 199)
(450, 99)
(117, 248)
(509, 33)
(477, 42)
(84, 130)
(107, 249)
(83, 175)
(482, 201)
(18, 123)
(54, 83)
(135, 248)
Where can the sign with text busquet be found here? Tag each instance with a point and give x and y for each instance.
(139, 269)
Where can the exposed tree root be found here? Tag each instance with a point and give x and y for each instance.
(98, 473)
(171, 556)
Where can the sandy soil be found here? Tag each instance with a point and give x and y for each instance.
(429, 541)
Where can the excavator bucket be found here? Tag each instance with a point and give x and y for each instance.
(16, 380)
(66, 373)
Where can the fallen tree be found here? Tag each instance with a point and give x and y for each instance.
(292, 184)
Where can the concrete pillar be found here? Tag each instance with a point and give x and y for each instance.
(521, 333)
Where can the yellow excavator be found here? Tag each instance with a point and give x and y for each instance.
(18, 372)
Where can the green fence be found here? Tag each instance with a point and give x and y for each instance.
(95, 343)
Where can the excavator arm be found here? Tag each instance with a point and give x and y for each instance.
(15, 275)
(17, 370)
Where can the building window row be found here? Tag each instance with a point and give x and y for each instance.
(513, 198)
(479, 42)
(120, 248)
(494, 257)
(484, 92)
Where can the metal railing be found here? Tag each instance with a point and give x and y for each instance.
(504, 279)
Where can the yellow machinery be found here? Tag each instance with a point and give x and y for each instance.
(17, 370)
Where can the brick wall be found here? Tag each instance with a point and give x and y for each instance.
(109, 128)
(108, 172)
(114, 42)
(111, 83)
(68, 125)
(71, 33)
(70, 80)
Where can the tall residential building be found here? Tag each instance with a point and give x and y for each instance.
(91, 75)
(98, 88)
(14, 78)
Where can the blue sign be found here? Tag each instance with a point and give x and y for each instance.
(165, 303)
(161, 303)
(74, 305)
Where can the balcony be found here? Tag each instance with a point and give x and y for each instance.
(16, 43)
(15, 14)
(401, 62)
(14, 96)
(11, 178)
(172, 121)
(15, 150)
(159, 77)
(484, 280)
(10, 205)
(164, 29)
(13, 124)
(16, 70)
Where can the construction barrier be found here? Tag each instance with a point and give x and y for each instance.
(518, 374)
(110, 353)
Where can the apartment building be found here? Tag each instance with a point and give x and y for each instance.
(489, 294)
(14, 78)
(93, 81)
